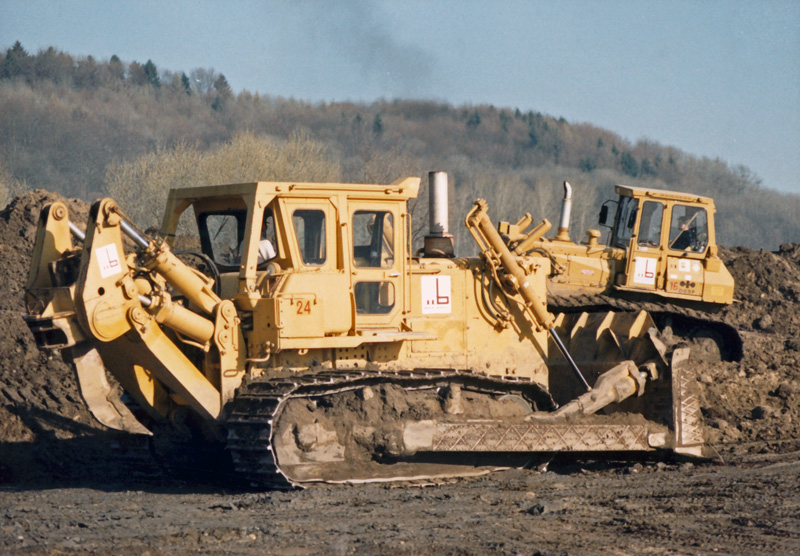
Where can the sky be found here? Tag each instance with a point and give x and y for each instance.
(713, 78)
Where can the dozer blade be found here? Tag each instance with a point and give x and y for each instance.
(522, 436)
(102, 401)
(579, 426)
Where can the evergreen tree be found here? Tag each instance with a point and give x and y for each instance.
(222, 87)
(587, 164)
(377, 125)
(17, 62)
(647, 169)
(505, 120)
(116, 68)
(474, 120)
(533, 138)
(628, 164)
(151, 74)
(187, 85)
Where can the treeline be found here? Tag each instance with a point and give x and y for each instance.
(89, 128)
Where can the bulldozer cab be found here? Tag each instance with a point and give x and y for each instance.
(670, 245)
(310, 260)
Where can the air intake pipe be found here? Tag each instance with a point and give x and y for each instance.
(566, 211)
(439, 241)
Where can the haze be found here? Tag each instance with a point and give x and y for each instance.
(714, 78)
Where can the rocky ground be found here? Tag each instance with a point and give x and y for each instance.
(69, 486)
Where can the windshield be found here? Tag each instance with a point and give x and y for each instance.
(221, 235)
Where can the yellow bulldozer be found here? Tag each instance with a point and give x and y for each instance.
(306, 335)
(660, 255)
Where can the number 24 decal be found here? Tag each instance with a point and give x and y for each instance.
(304, 308)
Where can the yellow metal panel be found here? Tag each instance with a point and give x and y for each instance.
(719, 285)
(684, 276)
(105, 292)
(300, 316)
(53, 239)
(437, 306)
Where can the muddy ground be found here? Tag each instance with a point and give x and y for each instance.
(69, 486)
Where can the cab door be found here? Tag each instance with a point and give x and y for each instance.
(686, 248)
(645, 267)
(377, 251)
(313, 297)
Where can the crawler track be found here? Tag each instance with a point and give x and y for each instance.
(254, 425)
(363, 427)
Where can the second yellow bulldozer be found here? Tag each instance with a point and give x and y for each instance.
(661, 255)
(312, 341)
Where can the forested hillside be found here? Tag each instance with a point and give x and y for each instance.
(88, 128)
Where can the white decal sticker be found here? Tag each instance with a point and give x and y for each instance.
(436, 298)
(683, 265)
(644, 270)
(108, 259)
(696, 266)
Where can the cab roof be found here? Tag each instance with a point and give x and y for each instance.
(402, 189)
(662, 195)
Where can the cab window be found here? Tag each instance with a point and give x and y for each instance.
(688, 228)
(650, 224)
(221, 235)
(309, 229)
(626, 220)
(374, 297)
(267, 242)
(373, 239)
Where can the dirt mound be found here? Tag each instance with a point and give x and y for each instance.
(38, 395)
(754, 404)
(751, 405)
(767, 289)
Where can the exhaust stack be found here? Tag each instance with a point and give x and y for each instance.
(566, 211)
(439, 241)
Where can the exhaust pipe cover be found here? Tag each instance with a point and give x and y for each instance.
(566, 212)
(439, 241)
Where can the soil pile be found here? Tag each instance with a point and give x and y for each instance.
(767, 289)
(754, 404)
(751, 405)
(39, 398)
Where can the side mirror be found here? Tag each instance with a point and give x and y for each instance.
(603, 215)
